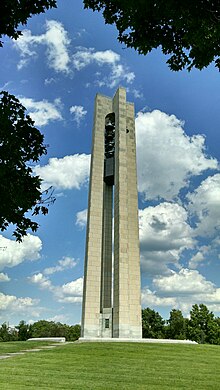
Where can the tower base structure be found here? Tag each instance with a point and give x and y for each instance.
(134, 340)
(111, 295)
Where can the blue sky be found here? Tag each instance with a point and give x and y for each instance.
(64, 58)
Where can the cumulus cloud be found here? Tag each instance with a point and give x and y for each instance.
(56, 41)
(4, 277)
(166, 156)
(70, 292)
(16, 253)
(15, 304)
(78, 113)
(181, 290)
(74, 288)
(119, 72)
(81, 218)
(65, 173)
(199, 257)
(42, 112)
(164, 234)
(149, 298)
(42, 281)
(183, 282)
(204, 203)
(63, 264)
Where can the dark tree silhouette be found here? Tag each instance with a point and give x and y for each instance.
(188, 31)
(15, 12)
(20, 144)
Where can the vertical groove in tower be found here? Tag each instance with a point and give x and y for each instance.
(113, 164)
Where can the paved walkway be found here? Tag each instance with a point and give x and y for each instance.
(24, 351)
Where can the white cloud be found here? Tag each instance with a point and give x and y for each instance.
(181, 290)
(64, 264)
(4, 277)
(166, 156)
(15, 252)
(81, 218)
(42, 112)
(84, 57)
(78, 113)
(137, 94)
(57, 42)
(164, 234)
(69, 292)
(204, 203)
(57, 45)
(183, 282)
(149, 298)
(58, 318)
(196, 259)
(199, 257)
(119, 72)
(42, 281)
(25, 44)
(65, 173)
(213, 297)
(74, 288)
(49, 81)
(11, 302)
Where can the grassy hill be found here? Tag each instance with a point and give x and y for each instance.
(112, 366)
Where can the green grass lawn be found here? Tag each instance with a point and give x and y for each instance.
(114, 366)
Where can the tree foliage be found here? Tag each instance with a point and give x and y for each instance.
(41, 328)
(15, 12)
(188, 31)
(152, 324)
(176, 325)
(203, 327)
(7, 334)
(24, 331)
(44, 328)
(20, 144)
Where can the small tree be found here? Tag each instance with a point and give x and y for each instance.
(24, 331)
(4, 332)
(176, 325)
(20, 144)
(7, 333)
(73, 332)
(200, 324)
(152, 324)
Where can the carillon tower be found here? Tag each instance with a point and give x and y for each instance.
(111, 296)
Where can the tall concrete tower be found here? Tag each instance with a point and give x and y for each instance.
(111, 297)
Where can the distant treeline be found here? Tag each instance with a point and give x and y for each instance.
(41, 328)
(201, 326)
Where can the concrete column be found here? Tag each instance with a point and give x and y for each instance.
(93, 256)
(126, 304)
(106, 301)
